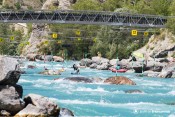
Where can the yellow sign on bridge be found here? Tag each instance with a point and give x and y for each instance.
(78, 33)
(54, 35)
(12, 38)
(146, 34)
(134, 32)
(1, 40)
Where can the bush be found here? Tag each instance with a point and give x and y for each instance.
(18, 5)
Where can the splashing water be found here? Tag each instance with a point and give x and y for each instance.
(98, 99)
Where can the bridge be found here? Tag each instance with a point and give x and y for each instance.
(83, 17)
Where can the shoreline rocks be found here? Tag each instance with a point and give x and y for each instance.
(11, 102)
(159, 67)
(10, 99)
(11, 78)
(10, 93)
(7, 64)
(38, 105)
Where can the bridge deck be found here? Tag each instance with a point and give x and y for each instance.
(83, 17)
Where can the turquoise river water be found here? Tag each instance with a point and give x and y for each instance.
(98, 99)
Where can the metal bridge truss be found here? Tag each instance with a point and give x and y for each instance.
(83, 17)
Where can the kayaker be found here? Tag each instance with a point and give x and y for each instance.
(76, 69)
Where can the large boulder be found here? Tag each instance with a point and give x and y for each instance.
(166, 74)
(161, 60)
(31, 57)
(154, 66)
(138, 66)
(32, 111)
(58, 59)
(79, 79)
(119, 80)
(85, 62)
(39, 57)
(125, 64)
(96, 60)
(99, 60)
(11, 78)
(103, 66)
(50, 3)
(73, 1)
(4, 113)
(39, 105)
(151, 73)
(48, 57)
(162, 54)
(167, 71)
(65, 113)
(93, 66)
(104, 60)
(10, 99)
(6, 64)
(113, 62)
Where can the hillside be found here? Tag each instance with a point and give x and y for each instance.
(32, 39)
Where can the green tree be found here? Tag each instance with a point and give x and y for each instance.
(111, 5)
(87, 5)
(18, 5)
(171, 21)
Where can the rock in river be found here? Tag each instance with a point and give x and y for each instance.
(85, 62)
(119, 80)
(65, 113)
(133, 91)
(79, 79)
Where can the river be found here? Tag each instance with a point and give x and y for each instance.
(98, 99)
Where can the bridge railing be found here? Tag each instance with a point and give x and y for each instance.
(82, 17)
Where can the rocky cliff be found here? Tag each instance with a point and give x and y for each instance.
(160, 45)
(40, 31)
(39, 34)
(23, 4)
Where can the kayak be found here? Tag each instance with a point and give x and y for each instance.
(119, 70)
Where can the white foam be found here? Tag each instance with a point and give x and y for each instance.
(140, 105)
(171, 92)
(99, 89)
(172, 115)
(151, 83)
(24, 81)
(43, 81)
(38, 85)
(53, 99)
(58, 65)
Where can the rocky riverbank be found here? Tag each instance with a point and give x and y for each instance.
(37, 57)
(159, 67)
(11, 101)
